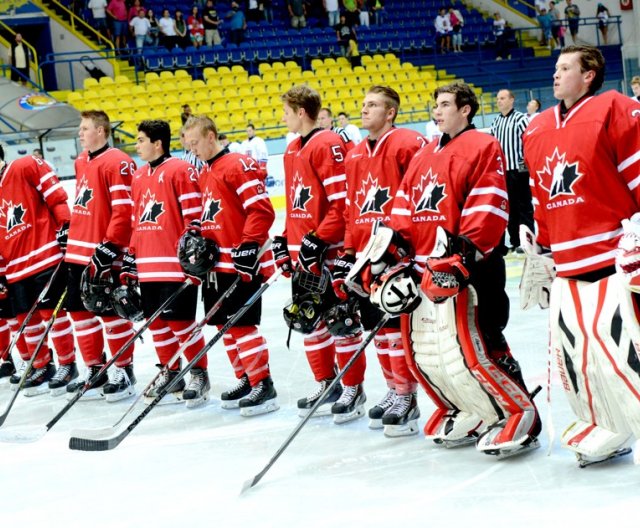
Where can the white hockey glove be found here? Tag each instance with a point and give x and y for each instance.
(537, 274)
(628, 255)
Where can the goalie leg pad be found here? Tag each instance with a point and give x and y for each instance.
(592, 443)
(453, 428)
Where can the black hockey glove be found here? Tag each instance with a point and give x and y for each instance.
(245, 260)
(341, 268)
(312, 252)
(4, 289)
(281, 254)
(102, 261)
(129, 272)
(62, 235)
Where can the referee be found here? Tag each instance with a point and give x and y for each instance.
(508, 128)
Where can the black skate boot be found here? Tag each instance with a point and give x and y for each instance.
(376, 412)
(261, 399)
(37, 382)
(231, 399)
(164, 378)
(7, 368)
(350, 405)
(14, 380)
(197, 391)
(122, 385)
(401, 418)
(96, 392)
(305, 404)
(64, 375)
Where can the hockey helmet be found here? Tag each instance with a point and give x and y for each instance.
(303, 313)
(304, 281)
(396, 291)
(343, 319)
(96, 294)
(127, 302)
(197, 254)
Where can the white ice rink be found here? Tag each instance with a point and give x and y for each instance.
(185, 468)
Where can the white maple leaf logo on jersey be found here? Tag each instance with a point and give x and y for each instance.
(558, 176)
(12, 214)
(300, 194)
(83, 194)
(150, 210)
(211, 208)
(371, 198)
(428, 193)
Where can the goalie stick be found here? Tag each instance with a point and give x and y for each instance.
(253, 481)
(88, 444)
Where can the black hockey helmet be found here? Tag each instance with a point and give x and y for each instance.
(197, 254)
(343, 319)
(303, 313)
(127, 302)
(96, 294)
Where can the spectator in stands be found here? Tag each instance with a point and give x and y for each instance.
(196, 27)
(351, 12)
(353, 53)
(344, 31)
(233, 146)
(352, 130)
(117, 11)
(572, 12)
(544, 19)
(211, 22)
(19, 60)
(635, 87)
(297, 11)
(533, 108)
(267, 9)
(186, 113)
(154, 29)
(499, 24)
(99, 12)
(457, 21)
(602, 14)
(556, 23)
(364, 12)
(183, 38)
(168, 33)
(333, 12)
(253, 11)
(237, 24)
(134, 9)
(140, 27)
(443, 31)
(377, 8)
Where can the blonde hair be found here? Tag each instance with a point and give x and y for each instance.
(99, 119)
(301, 96)
(204, 123)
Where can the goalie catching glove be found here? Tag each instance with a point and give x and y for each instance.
(628, 255)
(537, 274)
(443, 278)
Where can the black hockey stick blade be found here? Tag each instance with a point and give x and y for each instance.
(250, 483)
(86, 444)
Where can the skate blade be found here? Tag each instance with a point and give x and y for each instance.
(230, 404)
(453, 444)
(503, 453)
(117, 396)
(397, 431)
(340, 419)
(197, 402)
(36, 391)
(168, 399)
(323, 410)
(584, 462)
(375, 423)
(267, 407)
(90, 395)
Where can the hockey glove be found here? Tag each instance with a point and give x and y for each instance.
(4, 290)
(129, 272)
(341, 268)
(443, 278)
(245, 260)
(102, 261)
(628, 255)
(538, 272)
(281, 254)
(193, 228)
(312, 252)
(62, 235)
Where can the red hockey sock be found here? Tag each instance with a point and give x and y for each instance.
(232, 352)
(5, 338)
(346, 347)
(321, 353)
(193, 344)
(165, 342)
(33, 333)
(88, 330)
(21, 345)
(252, 351)
(382, 351)
(62, 336)
(118, 332)
(403, 379)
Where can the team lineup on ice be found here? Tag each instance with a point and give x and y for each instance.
(376, 346)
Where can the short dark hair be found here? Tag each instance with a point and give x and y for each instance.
(302, 96)
(1, 153)
(538, 103)
(222, 137)
(157, 130)
(343, 114)
(464, 95)
(591, 59)
(328, 110)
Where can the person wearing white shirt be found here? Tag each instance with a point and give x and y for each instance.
(351, 130)
(442, 24)
(141, 27)
(233, 146)
(255, 147)
(99, 12)
(333, 12)
(168, 33)
(533, 109)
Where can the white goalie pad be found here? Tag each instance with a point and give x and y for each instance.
(593, 441)
(537, 274)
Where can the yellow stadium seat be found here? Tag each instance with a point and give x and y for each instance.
(184, 85)
(366, 60)
(343, 61)
(122, 80)
(330, 61)
(151, 77)
(208, 73)
(317, 63)
(74, 97)
(166, 75)
(224, 70)
(89, 83)
(264, 67)
(198, 84)
(202, 108)
(181, 74)
(277, 65)
(105, 81)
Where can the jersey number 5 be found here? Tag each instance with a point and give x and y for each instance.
(337, 153)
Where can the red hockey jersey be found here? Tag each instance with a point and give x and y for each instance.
(33, 205)
(102, 206)
(166, 199)
(585, 178)
(460, 187)
(236, 207)
(373, 177)
(315, 187)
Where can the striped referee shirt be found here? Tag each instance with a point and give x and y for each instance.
(190, 157)
(508, 130)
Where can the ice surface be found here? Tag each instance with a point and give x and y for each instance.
(185, 468)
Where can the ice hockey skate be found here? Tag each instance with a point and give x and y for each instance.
(122, 385)
(324, 409)
(402, 417)
(451, 429)
(377, 411)
(164, 378)
(350, 405)
(15, 378)
(64, 375)
(231, 399)
(490, 444)
(587, 460)
(7, 369)
(95, 392)
(261, 400)
(197, 391)
(38, 380)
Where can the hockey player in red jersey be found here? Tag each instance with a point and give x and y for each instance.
(314, 232)
(374, 169)
(98, 234)
(33, 211)
(237, 215)
(584, 159)
(8, 324)
(453, 199)
(166, 199)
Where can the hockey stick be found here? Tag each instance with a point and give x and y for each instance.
(27, 370)
(253, 481)
(86, 444)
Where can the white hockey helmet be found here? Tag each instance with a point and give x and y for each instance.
(396, 291)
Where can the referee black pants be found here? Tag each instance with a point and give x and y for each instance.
(520, 204)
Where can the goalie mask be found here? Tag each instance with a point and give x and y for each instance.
(127, 303)
(303, 313)
(343, 320)
(197, 254)
(95, 295)
(396, 291)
